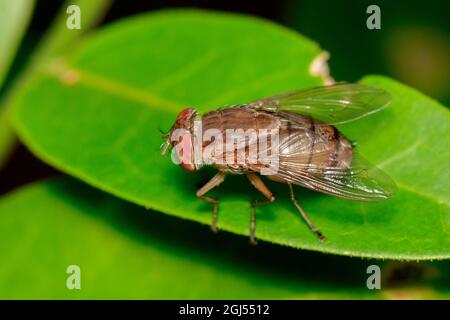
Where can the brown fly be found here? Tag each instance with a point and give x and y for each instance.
(290, 138)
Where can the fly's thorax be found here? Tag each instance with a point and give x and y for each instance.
(237, 139)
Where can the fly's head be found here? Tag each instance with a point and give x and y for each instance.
(180, 137)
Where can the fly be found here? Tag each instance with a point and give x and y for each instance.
(289, 138)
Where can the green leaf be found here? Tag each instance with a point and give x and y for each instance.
(125, 252)
(96, 118)
(14, 17)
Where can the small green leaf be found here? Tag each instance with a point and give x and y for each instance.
(14, 17)
(125, 252)
(96, 118)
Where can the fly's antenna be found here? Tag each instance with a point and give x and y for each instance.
(164, 133)
(166, 143)
(164, 146)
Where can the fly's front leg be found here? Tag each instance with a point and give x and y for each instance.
(214, 182)
(255, 203)
(311, 226)
(258, 184)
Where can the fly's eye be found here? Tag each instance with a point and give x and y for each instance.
(183, 149)
(186, 151)
(186, 113)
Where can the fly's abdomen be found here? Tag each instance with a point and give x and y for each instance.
(308, 144)
(329, 148)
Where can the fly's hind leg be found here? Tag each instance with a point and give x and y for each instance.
(258, 184)
(214, 182)
(305, 217)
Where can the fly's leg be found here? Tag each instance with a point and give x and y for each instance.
(214, 182)
(311, 226)
(258, 184)
(255, 203)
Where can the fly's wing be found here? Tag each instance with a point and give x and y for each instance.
(334, 104)
(311, 162)
(359, 181)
